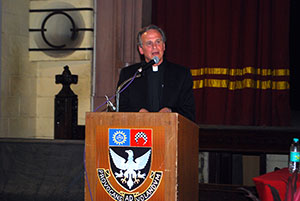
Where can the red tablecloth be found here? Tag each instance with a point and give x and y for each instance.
(278, 179)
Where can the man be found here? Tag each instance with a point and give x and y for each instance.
(164, 87)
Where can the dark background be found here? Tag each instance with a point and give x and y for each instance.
(294, 56)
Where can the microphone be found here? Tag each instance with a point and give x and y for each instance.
(154, 60)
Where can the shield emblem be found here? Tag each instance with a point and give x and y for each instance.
(130, 156)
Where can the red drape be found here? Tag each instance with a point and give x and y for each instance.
(238, 52)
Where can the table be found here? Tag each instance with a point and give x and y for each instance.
(278, 179)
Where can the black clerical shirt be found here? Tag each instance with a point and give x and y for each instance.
(155, 85)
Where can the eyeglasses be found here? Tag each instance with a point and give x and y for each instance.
(151, 43)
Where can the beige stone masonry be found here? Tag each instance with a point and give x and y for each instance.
(28, 84)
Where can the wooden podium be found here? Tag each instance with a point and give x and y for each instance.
(141, 156)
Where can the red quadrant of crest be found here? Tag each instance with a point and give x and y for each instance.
(141, 137)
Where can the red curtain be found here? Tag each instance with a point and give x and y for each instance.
(238, 52)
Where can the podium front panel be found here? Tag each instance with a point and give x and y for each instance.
(135, 156)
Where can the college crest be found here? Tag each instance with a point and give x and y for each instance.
(130, 158)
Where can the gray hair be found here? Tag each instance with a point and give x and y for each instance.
(147, 28)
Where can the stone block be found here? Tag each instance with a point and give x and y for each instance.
(3, 127)
(46, 87)
(45, 107)
(51, 68)
(22, 86)
(83, 107)
(77, 55)
(28, 106)
(45, 128)
(21, 127)
(15, 6)
(10, 106)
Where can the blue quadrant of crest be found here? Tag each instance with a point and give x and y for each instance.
(119, 137)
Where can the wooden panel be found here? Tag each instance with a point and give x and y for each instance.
(171, 153)
(188, 139)
(245, 139)
(222, 192)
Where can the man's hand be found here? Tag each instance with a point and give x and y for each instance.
(143, 110)
(165, 109)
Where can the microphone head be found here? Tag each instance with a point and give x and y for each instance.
(155, 59)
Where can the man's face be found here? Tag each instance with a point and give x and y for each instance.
(152, 45)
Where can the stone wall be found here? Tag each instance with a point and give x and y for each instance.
(18, 78)
(28, 77)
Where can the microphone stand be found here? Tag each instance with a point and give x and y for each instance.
(109, 105)
(136, 75)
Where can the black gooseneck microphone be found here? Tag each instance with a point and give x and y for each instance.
(154, 60)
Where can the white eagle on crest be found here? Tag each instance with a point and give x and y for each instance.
(130, 169)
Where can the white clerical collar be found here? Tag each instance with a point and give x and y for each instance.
(154, 68)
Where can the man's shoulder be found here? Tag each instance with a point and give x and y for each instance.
(177, 67)
(128, 72)
(131, 68)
